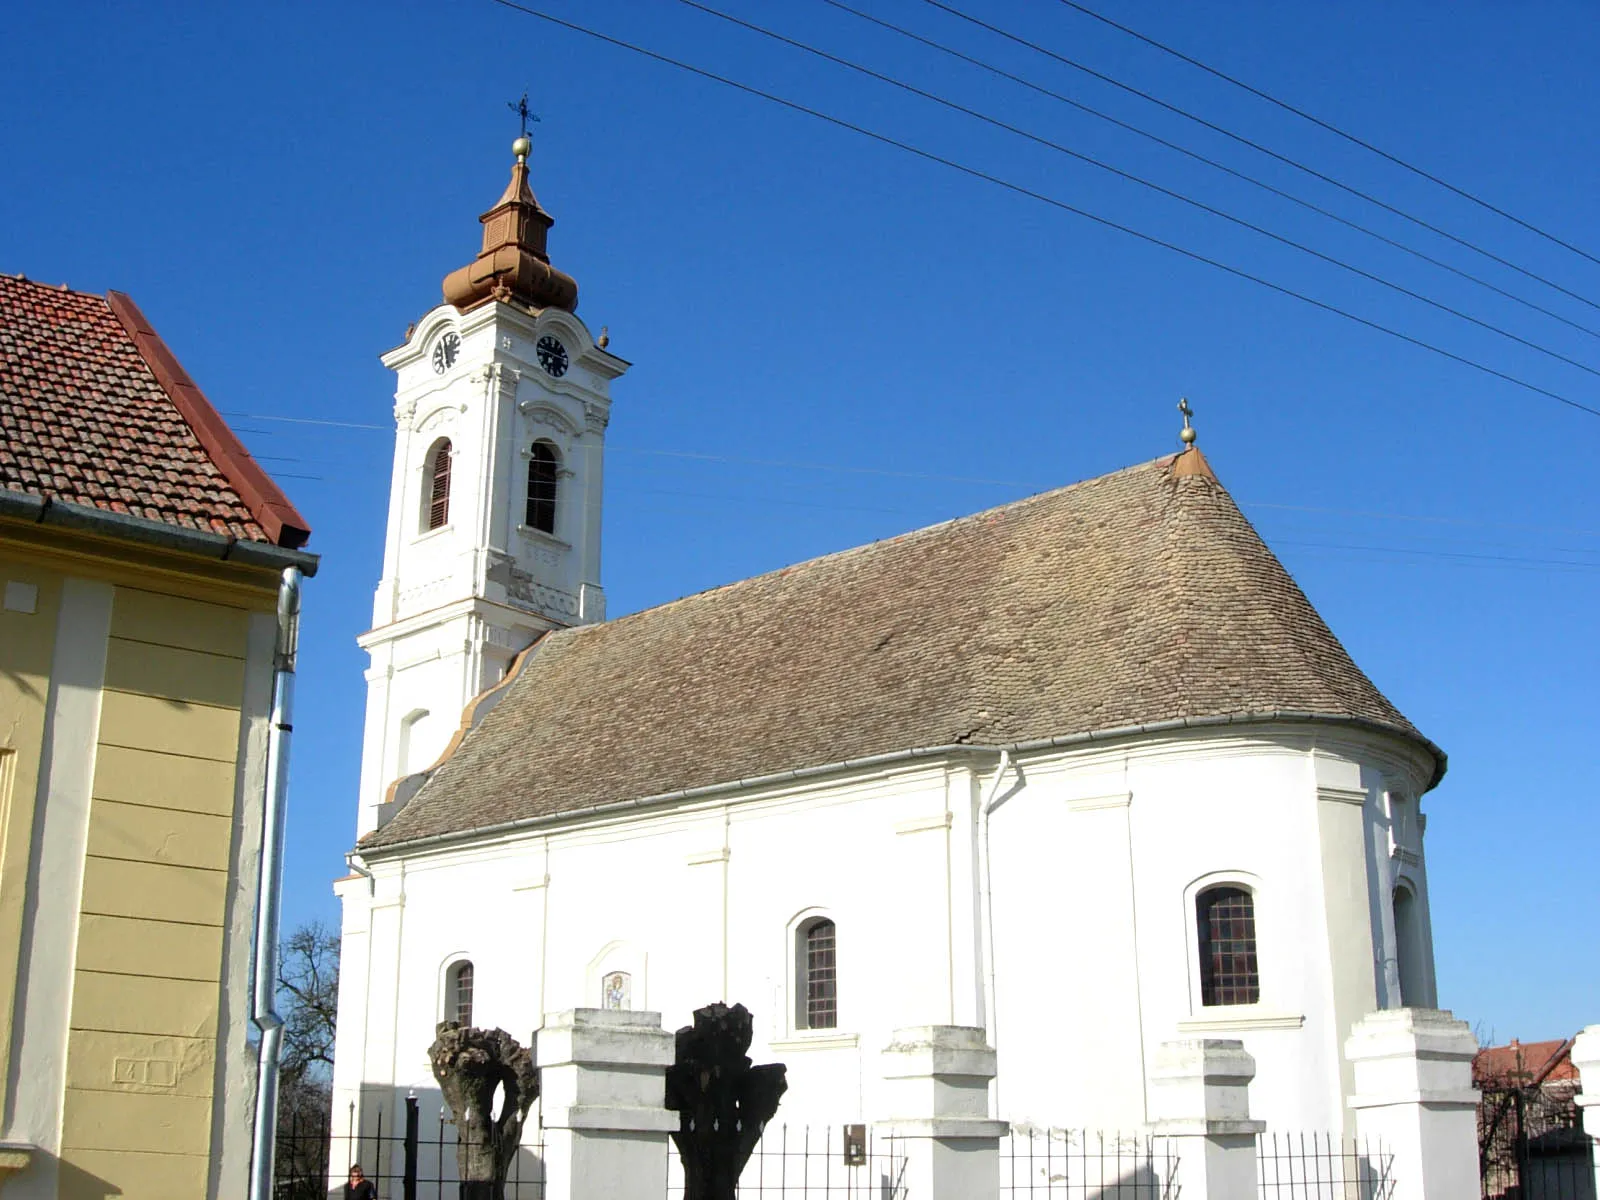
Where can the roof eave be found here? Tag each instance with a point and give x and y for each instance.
(273, 510)
(1265, 717)
(46, 510)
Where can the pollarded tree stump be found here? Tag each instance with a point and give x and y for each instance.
(472, 1066)
(723, 1103)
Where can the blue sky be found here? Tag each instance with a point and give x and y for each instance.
(836, 341)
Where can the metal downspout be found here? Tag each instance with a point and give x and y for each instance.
(264, 1011)
(986, 904)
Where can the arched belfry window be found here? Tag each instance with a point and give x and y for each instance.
(1408, 947)
(458, 996)
(544, 464)
(817, 975)
(1225, 923)
(436, 486)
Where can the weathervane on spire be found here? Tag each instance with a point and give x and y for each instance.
(1187, 435)
(524, 144)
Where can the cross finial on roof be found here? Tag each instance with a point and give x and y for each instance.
(524, 143)
(1188, 434)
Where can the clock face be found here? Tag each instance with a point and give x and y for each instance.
(552, 356)
(444, 353)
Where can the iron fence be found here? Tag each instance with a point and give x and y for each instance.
(1321, 1166)
(1531, 1145)
(1081, 1164)
(404, 1160)
(802, 1163)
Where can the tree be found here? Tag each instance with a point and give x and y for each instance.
(474, 1067)
(308, 1000)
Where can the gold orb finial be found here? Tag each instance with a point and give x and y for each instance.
(1187, 435)
(604, 339)
(521, 147)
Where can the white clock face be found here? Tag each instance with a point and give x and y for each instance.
(444, 353)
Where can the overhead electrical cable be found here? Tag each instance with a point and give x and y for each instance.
(1333, 129)
(1041, 197)
(1102, 165)
(1259, 148)
(1195, 156)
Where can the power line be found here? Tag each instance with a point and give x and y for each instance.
(1020, 190)
(1194, 155)
(1100, 164)
(1259, 148)
(1333, 129)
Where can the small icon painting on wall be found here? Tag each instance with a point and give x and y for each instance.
(617, 991)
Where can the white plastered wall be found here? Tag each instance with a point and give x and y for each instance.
(1095, 857)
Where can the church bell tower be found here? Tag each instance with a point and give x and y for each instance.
(493, 536)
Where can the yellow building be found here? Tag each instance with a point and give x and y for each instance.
(142, 554)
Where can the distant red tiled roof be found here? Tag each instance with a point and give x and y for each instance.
(95, 410)
(1525, 1062)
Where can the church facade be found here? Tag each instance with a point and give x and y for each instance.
(1086, 771)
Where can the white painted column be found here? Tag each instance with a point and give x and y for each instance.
(1200, 1107)
(1586, 1058)
(1414, 1095)
(603, 1087)
(55, 882)
(936, 1090)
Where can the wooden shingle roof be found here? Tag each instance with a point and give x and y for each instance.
(1134, 599)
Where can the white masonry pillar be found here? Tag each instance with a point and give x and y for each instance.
(603, 1083)
(1414, 1096)
(1200, 1108)
(936, 1090)
(1586, 1058)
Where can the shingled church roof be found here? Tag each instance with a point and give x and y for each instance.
(1138, 598)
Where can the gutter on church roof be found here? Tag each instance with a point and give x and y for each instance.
(1270, 716)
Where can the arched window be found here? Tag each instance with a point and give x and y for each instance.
(543, 464)
(1408, 947)
(816, 975)
(436, 486)
(458, 1000)
(406, 754)
(1225, 922)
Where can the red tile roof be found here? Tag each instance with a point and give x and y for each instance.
(95, 410)
(1524, 1063)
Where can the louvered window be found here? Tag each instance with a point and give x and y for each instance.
(438, 477)
(543, 465)
(1226, 920)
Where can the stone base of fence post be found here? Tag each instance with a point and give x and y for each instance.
(1200, 1105)
(1414, 1094)
(602, 1077)
(1586, 1058)
(936, 1089)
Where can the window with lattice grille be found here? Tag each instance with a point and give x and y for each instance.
(437, 474)
(818, 989)
(461, 993)
(1226, 920)
(543, 465)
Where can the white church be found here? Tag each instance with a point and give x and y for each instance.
(1086, 771)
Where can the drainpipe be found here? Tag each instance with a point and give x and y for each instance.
(264, 1012)
(990, 1018)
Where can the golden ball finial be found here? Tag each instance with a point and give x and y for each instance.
(1187, 434)
(521, 147)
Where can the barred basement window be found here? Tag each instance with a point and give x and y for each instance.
(818, 976)
(543, 463)
(460, 1002)
(436, 474)
(1225, 918)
